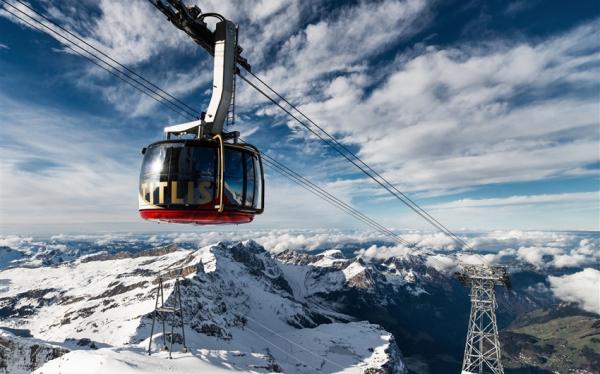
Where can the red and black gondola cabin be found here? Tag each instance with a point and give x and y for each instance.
(201, 182)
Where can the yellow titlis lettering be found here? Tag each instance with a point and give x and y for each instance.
(161, 192)
(190, 193)
(174, 198)
(204, 188)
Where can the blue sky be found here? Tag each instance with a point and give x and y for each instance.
(485, 112)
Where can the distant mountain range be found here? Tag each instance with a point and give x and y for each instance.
(292, 311)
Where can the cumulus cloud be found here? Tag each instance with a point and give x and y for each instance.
(339, 44)
(518, 200)
(135, 32)
(542, 250)
(543, 257)
(443, 264)
(56, 171)
(383, 252)
(582, 288)
(121, 29)
(456, 114)
(578, 250)
(538, 256)
(441, 118)
(15, 241)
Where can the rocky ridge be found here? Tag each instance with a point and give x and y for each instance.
(236, 297)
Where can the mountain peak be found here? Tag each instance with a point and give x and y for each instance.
(236, 296)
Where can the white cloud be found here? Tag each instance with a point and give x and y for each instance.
(122, 29)
(129, 32)
(582, 288)
(514, 7)
(574, 250)
(443, 264)
(382, 252)
(551, 212)
(135, 33)
(15, 241)
(449, 118)
(437, 119)
(540, 249)
(341, 43)
(56, 171)
(4, 46)
(517, 200)
(535, 255)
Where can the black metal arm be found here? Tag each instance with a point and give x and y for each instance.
(191, 21)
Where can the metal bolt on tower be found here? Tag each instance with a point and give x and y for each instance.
(482, 348)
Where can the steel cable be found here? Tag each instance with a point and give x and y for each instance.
(398, 194)
(279, 167)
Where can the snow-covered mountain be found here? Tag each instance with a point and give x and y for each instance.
(246, 305)
(245, 309)
(24, 355)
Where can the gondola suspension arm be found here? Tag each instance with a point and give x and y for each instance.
(222, 44)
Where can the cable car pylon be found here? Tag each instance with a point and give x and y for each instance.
(482, 347)
(162, 312)
(482, 350)
(188, 213)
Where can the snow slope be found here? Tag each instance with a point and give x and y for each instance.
(243, 312)
(122, 361)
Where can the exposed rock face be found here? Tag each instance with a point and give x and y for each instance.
(22, 356)
(426, 310)
(236, 298)
(8, 255)
(160, 251)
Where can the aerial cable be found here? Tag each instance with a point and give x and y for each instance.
(280, 168)
(349, 210)
(335, 201)
(303, 180)
(332, 143)
(138, 82)
(106, 55)
(407, 200)
(93, 61)
(309, 186)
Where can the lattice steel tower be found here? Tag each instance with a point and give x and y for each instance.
(482, 349)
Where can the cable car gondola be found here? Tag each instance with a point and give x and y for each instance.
(201, 182)
(210, 178)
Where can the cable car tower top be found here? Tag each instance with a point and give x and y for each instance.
(222, 44)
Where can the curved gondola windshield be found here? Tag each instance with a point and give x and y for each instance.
(178, 175)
